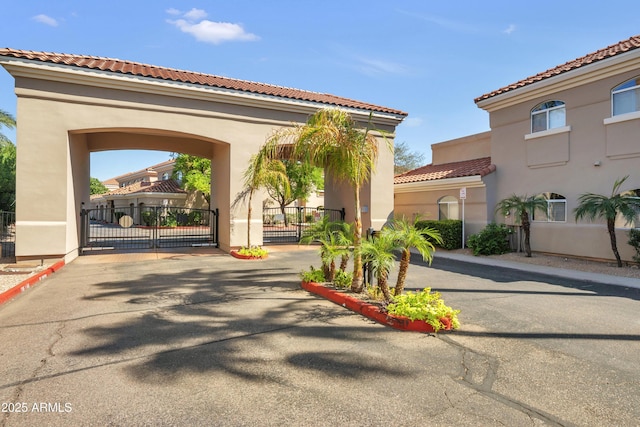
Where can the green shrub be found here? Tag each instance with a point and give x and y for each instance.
(343, 279)
(425, 305)
(313, 275)
(449, 229)
(149, 218)
(493, 240)
(634, 240)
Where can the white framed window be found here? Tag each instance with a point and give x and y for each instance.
(625, 98)
(556, 209)
(165, 176)
(548, 115)
(448, 208)
(620, 221)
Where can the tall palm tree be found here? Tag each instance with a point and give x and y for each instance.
(408, 236)
(592, 206)
(264, 167)
(8, 121)
(332, 139)
(521, 207)
(378, 252)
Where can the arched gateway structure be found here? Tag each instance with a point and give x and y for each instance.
(71, 105)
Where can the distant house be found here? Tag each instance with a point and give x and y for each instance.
(149, 187)
(560, 133)
(433, 191)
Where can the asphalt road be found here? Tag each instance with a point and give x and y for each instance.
(217, 341)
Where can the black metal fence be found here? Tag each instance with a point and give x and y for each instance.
(146, 227)
(288, 225)
(7, 236)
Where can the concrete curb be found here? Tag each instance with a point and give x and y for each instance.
(29, 282)
(605, 279)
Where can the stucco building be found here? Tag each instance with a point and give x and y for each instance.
(569, 130)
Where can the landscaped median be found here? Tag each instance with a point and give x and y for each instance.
(372, 311)
(30, 281)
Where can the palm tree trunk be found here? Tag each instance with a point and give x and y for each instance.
(526, 227)
(402, 272)
(357, 282)
(612, 236)
(343, 262)
(384, 287)
(249, 219)
(332, 271)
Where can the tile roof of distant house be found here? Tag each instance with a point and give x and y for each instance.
(605, 53)
(149, 168)
(167, 186)
(156, 72)
(464, 168)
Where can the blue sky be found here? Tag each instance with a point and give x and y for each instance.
(427, 58)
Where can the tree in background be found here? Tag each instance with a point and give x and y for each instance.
(302, 180)
(592, 206)
(194, 174)
(7, 165)
(97, 187)
(8, 121)
(7, 176)
(404, 159)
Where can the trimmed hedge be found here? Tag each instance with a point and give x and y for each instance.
(449, 229)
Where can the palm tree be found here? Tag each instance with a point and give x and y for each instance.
(264, 167)
(9, 122)
(592, 206)
(408, 236)
(334, 240)
(521, 206)
(332, 139)
(378, 252)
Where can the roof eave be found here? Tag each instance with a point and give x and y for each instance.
(585, 74)
(474, 181)
(29, 68)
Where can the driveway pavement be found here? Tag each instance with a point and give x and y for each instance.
(205, 339)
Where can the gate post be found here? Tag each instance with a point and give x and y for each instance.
(83, 230)
(300, 216)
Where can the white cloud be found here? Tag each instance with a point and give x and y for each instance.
(376, 67)
(412, 122)
(47, 20)
(510, 29)
(208, 31)
(195, 14)
(173, 11)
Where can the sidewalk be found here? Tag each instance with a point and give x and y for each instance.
(606, 279)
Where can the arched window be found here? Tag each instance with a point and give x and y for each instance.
(556, 209)
(448, 208)
(625, 98)
(548, 115)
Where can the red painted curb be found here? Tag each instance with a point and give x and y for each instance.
(239, 256)
(368, 310)
(29, 282)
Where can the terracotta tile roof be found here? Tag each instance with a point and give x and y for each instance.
(464, 168)
(147, 169)
(156, 72)
(608, 52)
(168, 186)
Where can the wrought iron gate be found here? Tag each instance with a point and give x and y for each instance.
(147, 227)
(288, 226)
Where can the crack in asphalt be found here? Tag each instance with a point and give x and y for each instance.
(476, 365)
(15, 397)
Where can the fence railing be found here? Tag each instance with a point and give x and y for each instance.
(7, 235)
(145, 227)
(288, 224)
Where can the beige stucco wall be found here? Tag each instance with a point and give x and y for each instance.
(60, 123)
(466, 148)
(564, 162)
